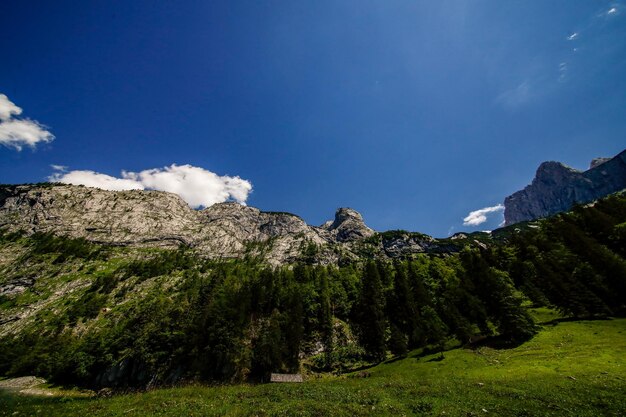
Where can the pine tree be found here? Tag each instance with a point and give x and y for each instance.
(371, 315)
(514, 321)
(326, 317)
(417, 273)
(401, 311)
(266, 353)
(499, 297)
(436, 329)
(292, 327)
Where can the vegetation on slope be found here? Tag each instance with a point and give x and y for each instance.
(569, 368)
(143, 317)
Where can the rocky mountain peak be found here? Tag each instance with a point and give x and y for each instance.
(348, 225)
(553, 172)
(344, 214)
(598, 161)
(557, 187)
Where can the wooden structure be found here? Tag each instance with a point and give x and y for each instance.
(286, 378)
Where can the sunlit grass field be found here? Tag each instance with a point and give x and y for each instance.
(571, 368)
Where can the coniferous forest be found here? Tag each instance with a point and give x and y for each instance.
(240, 320)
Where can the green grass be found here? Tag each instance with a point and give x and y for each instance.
(568, 369)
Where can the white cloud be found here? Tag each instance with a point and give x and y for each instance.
(197, 186)
(572, 36)
(613, 10)
(95, 179)
(17, 133)
(515, 97)
(8, 108)
(478, 217)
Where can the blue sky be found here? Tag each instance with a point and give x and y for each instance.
(412, 112)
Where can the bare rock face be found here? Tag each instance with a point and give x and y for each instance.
(557, 188)
(113, 217)
(229, 229)
(598, 161)
(154, 218)
(407, 244)
(348, 226)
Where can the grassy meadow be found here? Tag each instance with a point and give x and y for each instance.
(571, 368)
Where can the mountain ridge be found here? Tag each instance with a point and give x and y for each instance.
(229, 230)
(222, 231)
(557, 187)
(157, 218)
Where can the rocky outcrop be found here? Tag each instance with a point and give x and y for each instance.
(406, 244)
(16, 286)
(348, 226)
(598, 161)
(154, 218)
(557, 188)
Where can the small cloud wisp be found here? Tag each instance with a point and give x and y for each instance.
(516, 96)
(478, 217)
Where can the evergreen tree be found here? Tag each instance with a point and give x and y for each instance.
(435, 329)
(326, 317)
(292, 327)
(398, 341)
(417, 276)
(498, 294)
(401, 311)
(371, 314)
(513, 320)
(266, 352)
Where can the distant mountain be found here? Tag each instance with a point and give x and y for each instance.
(557, 187)
(160, 219)
(223, 231)
(156, 219)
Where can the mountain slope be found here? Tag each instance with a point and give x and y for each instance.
(223, 231)
(129, 315)
(557, 187)
(160, 219)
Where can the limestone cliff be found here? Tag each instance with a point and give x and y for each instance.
(154, 218)
(557, 188)
(347, 226)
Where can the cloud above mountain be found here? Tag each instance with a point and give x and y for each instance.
(17, 133)
(478, 217)
(197, 186)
